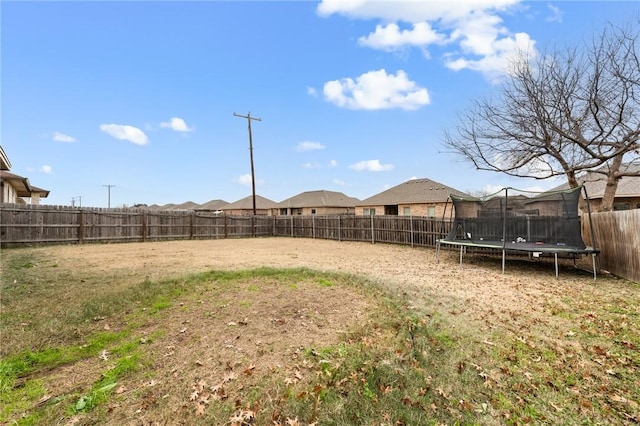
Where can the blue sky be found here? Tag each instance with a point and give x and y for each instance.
(354, 96)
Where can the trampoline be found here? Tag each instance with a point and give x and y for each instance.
(512, 220)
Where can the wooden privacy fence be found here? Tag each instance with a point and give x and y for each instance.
(409, 230)
(617, 234)
(54, 225)
(32, 224)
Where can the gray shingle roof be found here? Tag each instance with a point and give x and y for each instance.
(247, 203)
(319, 199)
(413, 192)
(188, 205)
(214, 205)
(594, 183)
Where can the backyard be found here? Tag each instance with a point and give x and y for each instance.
(296, 331)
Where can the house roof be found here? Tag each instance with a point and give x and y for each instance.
(214, 205)
(21, 185)
(247, 204)
(595, 183)
(320, 198)
(413, 192)
(5, 164)
(189, 205)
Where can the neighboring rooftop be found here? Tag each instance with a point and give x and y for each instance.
(413, 192)
(595, 183)
(247, 203)
(319, 198)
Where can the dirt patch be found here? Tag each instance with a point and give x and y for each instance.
(222, 342)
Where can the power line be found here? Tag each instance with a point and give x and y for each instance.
(253, 179)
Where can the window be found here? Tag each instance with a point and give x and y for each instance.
(369, 212)
(406, 211)
(621, 206)
(283, 212)
(313, 211)
(638, 206)
(431, 211)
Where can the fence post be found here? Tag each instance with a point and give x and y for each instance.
(191, 219)
(313, 226)
(292, 225)
(339, 230)
(411, 222)
(373, 239)
(144, 226)
(226, 227)
(81, 227)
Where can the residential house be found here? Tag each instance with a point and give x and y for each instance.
(244, 207)
(627, 193)
(215, 206)
(416, 197)
(318, 202)
(14, 188)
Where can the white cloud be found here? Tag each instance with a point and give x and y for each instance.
(124, 132)
(391, 38)
(371, 166)
(46, 169)
(61, 137)
(377, 90)
(471, 32)
(556, 14)
(309, 146)
(410, 11)
(310, 166)
(333, 163)
(312, 91)
(246, 180)
(339, 182)
(177, 124)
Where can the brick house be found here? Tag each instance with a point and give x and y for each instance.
(416, 197)
(317, 202)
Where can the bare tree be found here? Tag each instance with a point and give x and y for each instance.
(561, 113)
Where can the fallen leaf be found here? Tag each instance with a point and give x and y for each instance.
(249, 370)
(199, 409)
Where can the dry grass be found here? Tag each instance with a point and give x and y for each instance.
(144, 333)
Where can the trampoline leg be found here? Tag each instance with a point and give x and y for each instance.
(437, 251)
(504, 254)
(556, 257)
(461, 247)
(593, 256)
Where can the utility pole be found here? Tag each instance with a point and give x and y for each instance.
(109, 195)
(253, 178)
(80, 201)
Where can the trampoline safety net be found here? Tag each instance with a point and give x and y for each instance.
(518, 220)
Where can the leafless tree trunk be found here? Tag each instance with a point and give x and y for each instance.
(561, 113)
